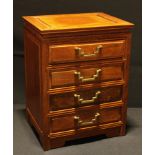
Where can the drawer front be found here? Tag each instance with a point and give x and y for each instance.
(85, 118)
(82, 52)
(78, 75)
(85, 97)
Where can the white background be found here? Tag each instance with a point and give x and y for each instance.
(6, 77)
(148, 76)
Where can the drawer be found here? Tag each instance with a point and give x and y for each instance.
(79, 75)
(85, 97)
(85, 118)
(84, 52)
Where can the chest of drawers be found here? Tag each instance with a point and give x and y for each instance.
(76, 71)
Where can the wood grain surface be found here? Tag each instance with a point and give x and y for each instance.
(76, 72)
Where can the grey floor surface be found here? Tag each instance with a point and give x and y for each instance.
(26, 143)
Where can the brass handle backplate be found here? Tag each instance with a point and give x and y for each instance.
(82, 79)
(81, 101)
(80, 51)
(81, 123)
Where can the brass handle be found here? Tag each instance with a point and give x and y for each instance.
(88, 79)
(81, 123)
(80, 52)
(82, 101)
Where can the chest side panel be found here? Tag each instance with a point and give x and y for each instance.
(32, 78)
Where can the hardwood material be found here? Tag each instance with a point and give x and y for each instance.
(75, 21)
(80, 74)
(86, 116)
(84, 52)
(70, 100)
(32, 65)
(76, 71)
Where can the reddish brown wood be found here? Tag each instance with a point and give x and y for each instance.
(68, 100)
(67, 122)
(67, 76)
(33, 91)
(67, 53)
(73, 94)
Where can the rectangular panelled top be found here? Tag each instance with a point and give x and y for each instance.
(79, 21)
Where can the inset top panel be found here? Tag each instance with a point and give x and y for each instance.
(75, 21)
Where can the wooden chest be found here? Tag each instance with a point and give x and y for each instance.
(76, 69)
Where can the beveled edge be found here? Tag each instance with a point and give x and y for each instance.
(43, 28)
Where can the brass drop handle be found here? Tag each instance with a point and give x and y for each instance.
(80, 123)
(81, 101)
(80, 51)
(82, 79)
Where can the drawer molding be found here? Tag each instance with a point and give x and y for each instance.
(79, 75)
(74, 132)
(73, 110)
(93, 96)
(106, 62)
(86, 86)
(86, 51)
